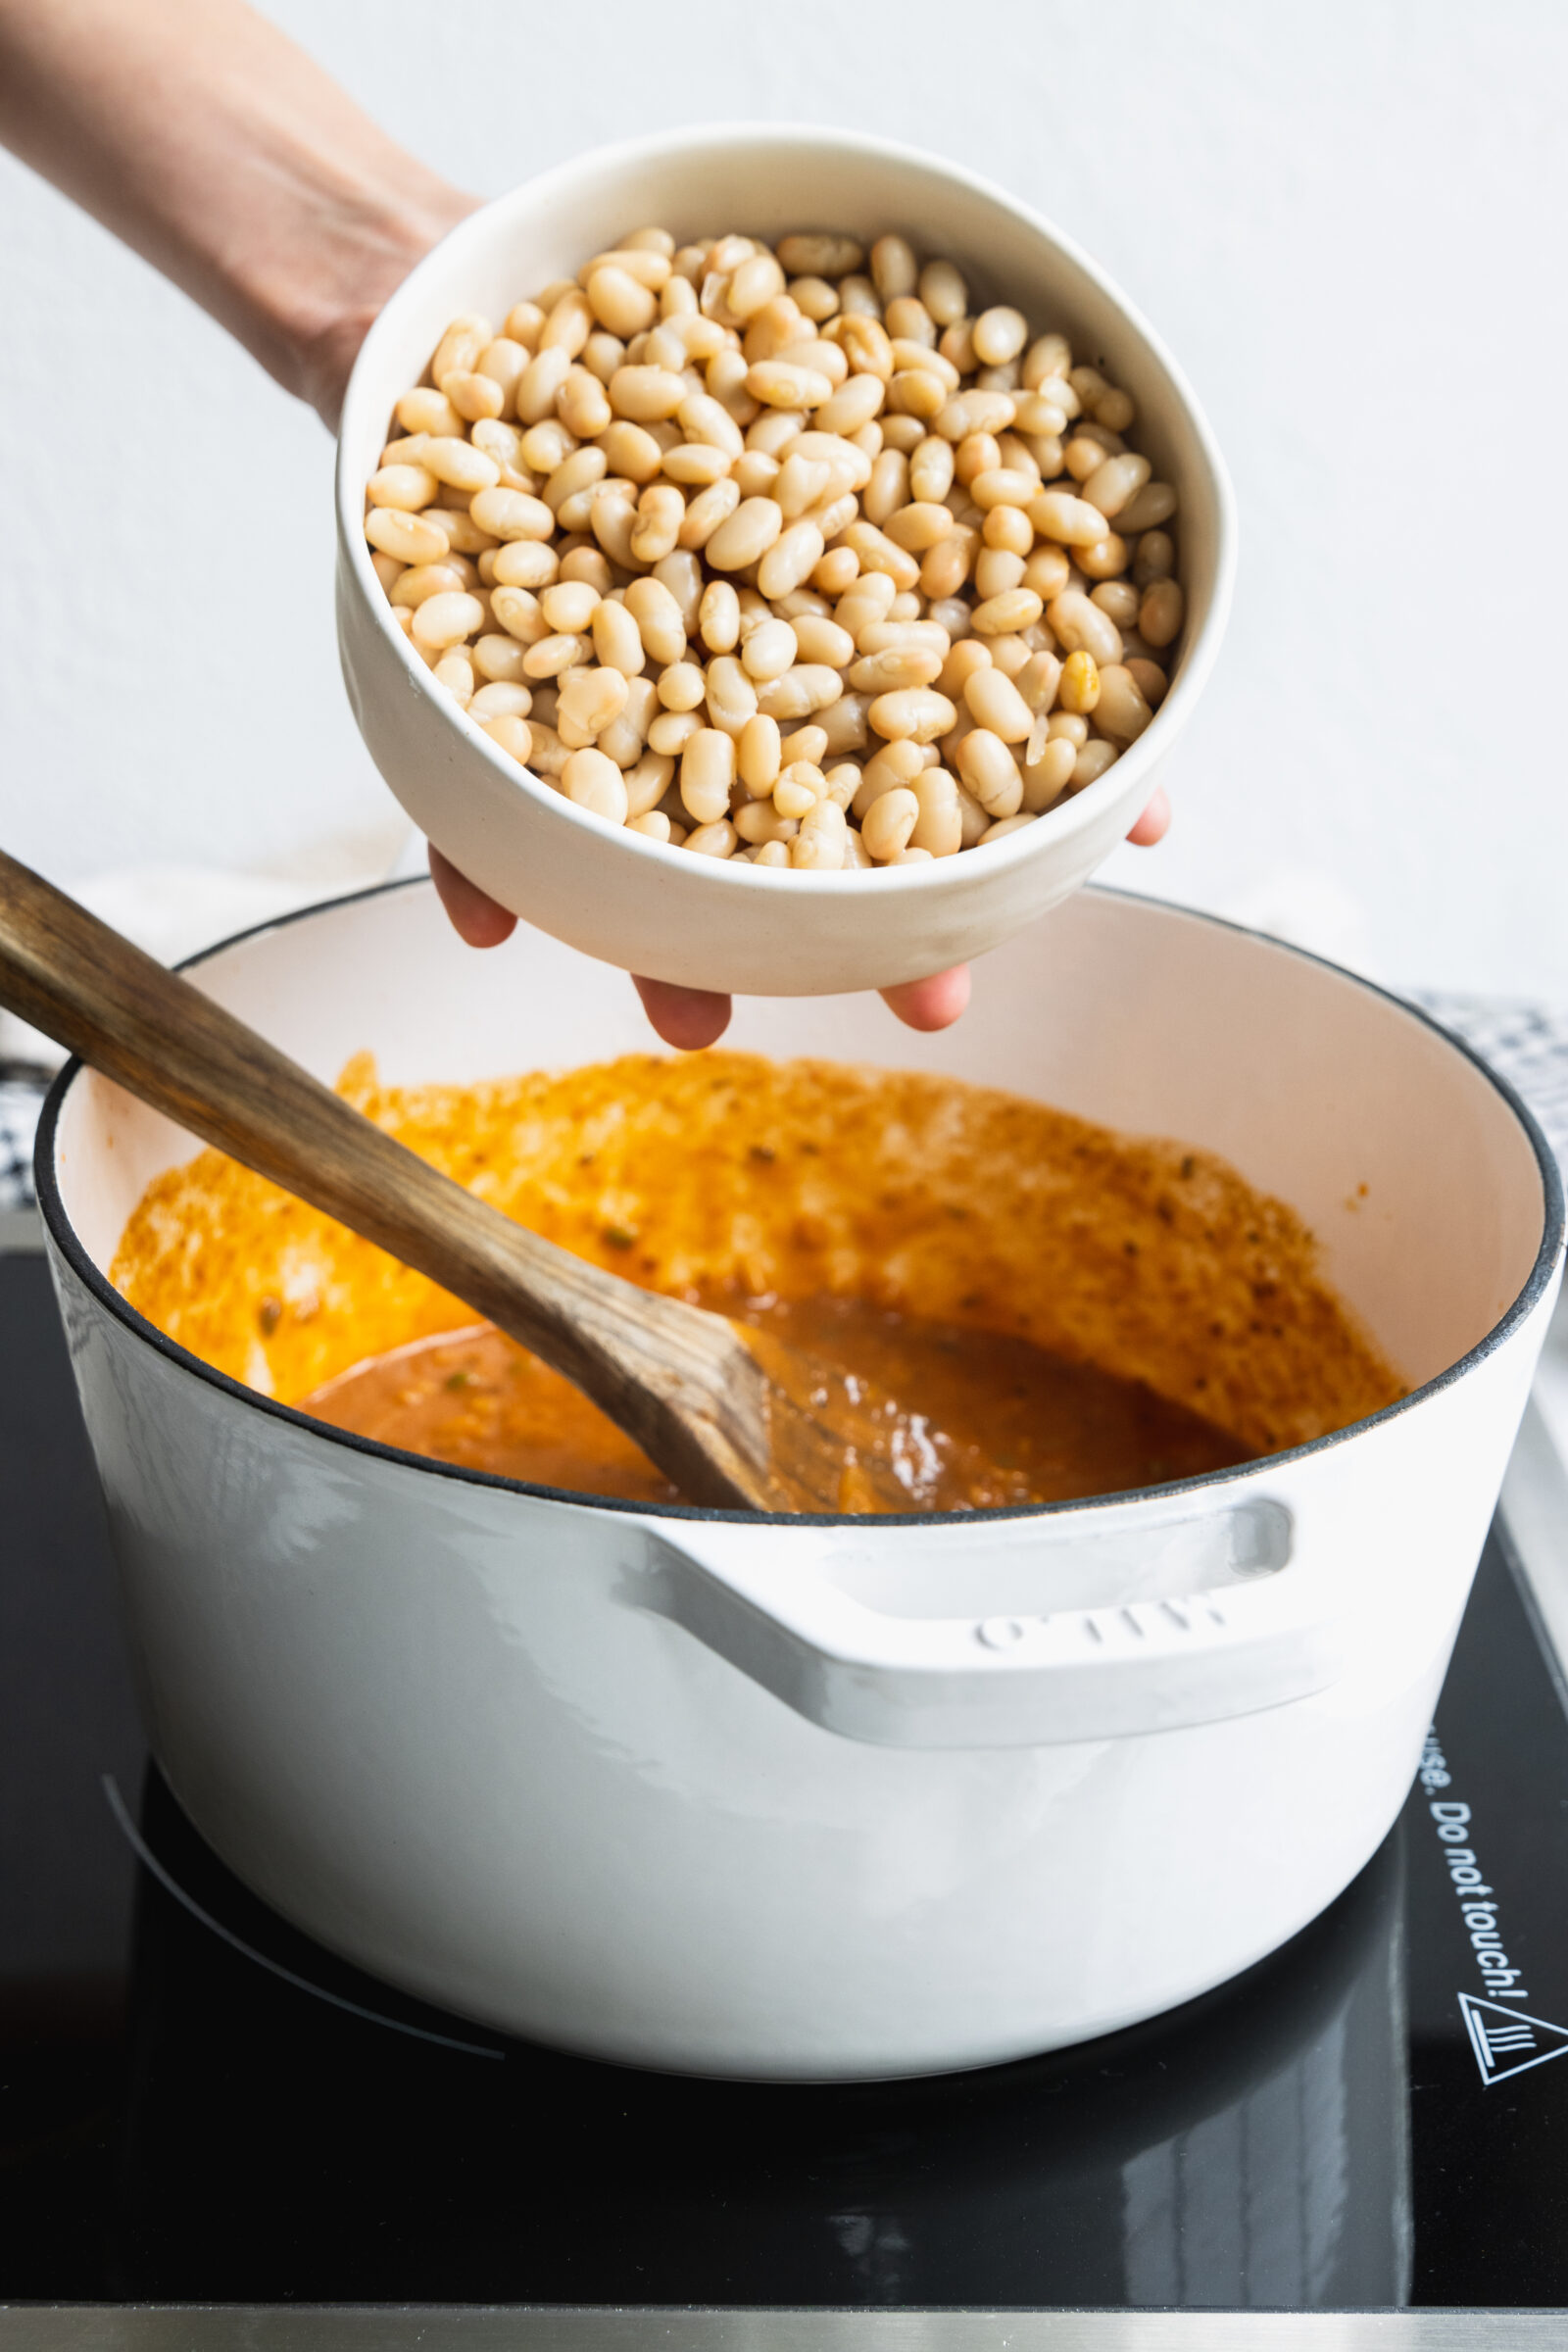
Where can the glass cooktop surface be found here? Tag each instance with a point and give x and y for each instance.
(197, 2104)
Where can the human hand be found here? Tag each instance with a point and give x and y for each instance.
(692, 1018)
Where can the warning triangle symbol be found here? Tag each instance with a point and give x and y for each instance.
(1507, 2042)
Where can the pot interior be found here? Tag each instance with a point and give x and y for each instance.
(1414, 1171)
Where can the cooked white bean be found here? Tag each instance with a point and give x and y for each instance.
(513, 735)
(995, 703)
(822, 643)
(894, 667)
(799, 788)
(658, 621)
(817, 254)
(857, 400)
(617, 639)
(779, 385)
(1148, 678)
(758, 821)
(447, 619)
(713, 841)
(681, 686)
(792, 558)
(992, 773)
(646, 395)
(1154, 558)
(455, 672)
(917, 711)
(939, 827)
(808, 688)
(424, 410)
(415, 581)
(888, 822)
(1115, 483)
(1151, 506)
(707, 772)
(974, 411)
(895, 271)
(459, 347)
(511, 514)
(535, 397)
(944, 295)
(1092, 762)
(1046, 771)
(524, 564)
(499, 698)
(1120, 598)
(718, 617)
(570, 605)
(1057, 515)
(769, 650)
(652, 824)
(553, 655)
(1079, 690)
(732, 696)
(500, 659)
(409, 537)
(1159, 615)
(758, 754)
(405, 488)
(999, 335)
(670, 733)
(745, 535)
(626, 738)
(518, 614)
(1005, 614)
(821, 840)
(1122, 713)
(1080, 623)
(594, 783)
(706, 510)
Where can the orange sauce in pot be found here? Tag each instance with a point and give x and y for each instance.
(1059, 1311)
(984, 1419)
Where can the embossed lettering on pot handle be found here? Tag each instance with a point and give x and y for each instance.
(788, 1607)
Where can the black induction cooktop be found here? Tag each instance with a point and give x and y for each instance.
(198, 2106)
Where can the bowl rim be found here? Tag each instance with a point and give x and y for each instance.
(65, 1241)
(1062, 824)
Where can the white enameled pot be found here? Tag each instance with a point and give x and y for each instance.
(706, 921)
(806, 1799)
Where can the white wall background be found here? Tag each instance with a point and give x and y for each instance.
(1347, 219)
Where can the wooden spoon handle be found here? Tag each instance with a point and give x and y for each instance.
(657, 1366)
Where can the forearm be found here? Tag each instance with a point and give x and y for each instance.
(202, 136)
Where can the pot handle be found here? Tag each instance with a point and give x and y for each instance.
(1267, 1627)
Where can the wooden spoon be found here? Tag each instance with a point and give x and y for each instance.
(687, 1386)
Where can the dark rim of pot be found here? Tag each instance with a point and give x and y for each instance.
(75, 1257)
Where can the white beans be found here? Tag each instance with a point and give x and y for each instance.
(594, 782)
(995, 703)
(745, 535)
(888, 822)
(782, 553)
(707, 772)
(1079, 622)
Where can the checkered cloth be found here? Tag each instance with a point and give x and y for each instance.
(21, 1093)
(1524, 1043)
(1527, 1044)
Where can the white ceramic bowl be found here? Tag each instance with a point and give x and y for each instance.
(635, 903)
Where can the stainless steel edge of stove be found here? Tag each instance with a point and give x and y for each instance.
(431, 2328)
(1534, 1524)
(1534, 1506)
